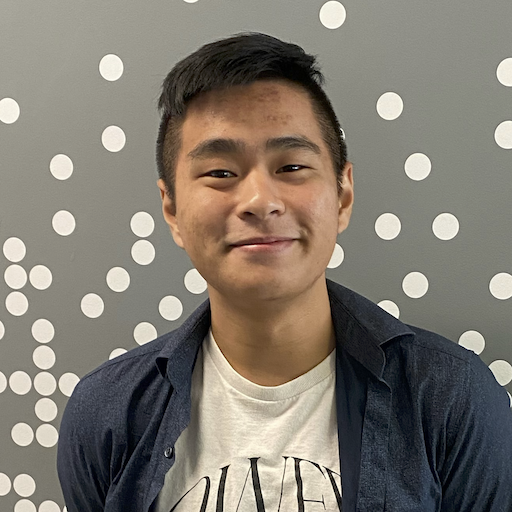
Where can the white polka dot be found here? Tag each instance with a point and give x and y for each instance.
(46, 409)
(142, 224)
(15, 277)
(445, 226)
(9, 110)
(143, 252)
(117, 352)
(190, 1)
(5, 484)
(16, 303)
(338, 255)
(390, 106)
(61, 167)
(45, 383)
(144, 333)
(43, 330)
(67, 383)
(3, 382)
(170, 307)
(92, 305)
(2, 330)
(43, 357)
(418, 166)
(47, 435)
(24, 485)
(503, 135)
(49, 506)
(111, 67)
(501, 286)
(40, 277)
(22, 434)
(502, 371)
(25, 506)
(388, 226)
(63, 223)
(20, 382)
(113, 139)
(504, 72)
(14, 249)
(332, 14)
(390, 307)
(509, 398)
(118, 279)
(195, 282)
(472, 340)
(415, 285)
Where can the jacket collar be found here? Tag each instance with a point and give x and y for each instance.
(361, 329)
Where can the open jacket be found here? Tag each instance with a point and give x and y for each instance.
(422, 423)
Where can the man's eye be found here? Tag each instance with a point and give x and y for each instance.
(211, 173)
(296, 167)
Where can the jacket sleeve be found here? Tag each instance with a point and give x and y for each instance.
(477, 470)
(83, 454)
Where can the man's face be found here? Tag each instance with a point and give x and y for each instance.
(257, 185)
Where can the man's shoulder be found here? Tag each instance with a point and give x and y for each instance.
(125, 395)
(121, 370)
(131, 368)
(121, 396)
(428, 356)
(430, 359)
(129, 382)
(373, 328)
(140, 381)
(428, 343)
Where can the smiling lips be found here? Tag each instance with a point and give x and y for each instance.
(267, 246)
(262, 240)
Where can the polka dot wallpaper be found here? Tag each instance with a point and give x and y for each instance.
(88, 269)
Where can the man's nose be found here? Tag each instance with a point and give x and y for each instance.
(260, 194)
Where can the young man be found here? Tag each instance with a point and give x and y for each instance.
(284, 391)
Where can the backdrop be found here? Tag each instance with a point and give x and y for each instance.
(88, 267)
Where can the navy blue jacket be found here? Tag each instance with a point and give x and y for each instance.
(422, 423)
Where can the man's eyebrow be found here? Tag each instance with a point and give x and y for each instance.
(221, 146)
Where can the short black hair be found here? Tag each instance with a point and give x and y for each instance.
(239, 60)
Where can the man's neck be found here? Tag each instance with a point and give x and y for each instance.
(273, 343)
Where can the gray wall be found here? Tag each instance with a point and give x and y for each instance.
(449, 62)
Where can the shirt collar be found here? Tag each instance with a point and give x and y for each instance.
(360, 325)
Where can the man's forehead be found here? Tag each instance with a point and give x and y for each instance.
(261, 91)
(272, 110)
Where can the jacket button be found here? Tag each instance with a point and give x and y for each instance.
(168, 452)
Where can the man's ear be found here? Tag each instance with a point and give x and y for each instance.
(346, 199)
(169, 213)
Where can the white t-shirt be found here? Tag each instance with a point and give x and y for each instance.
(252, 448)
